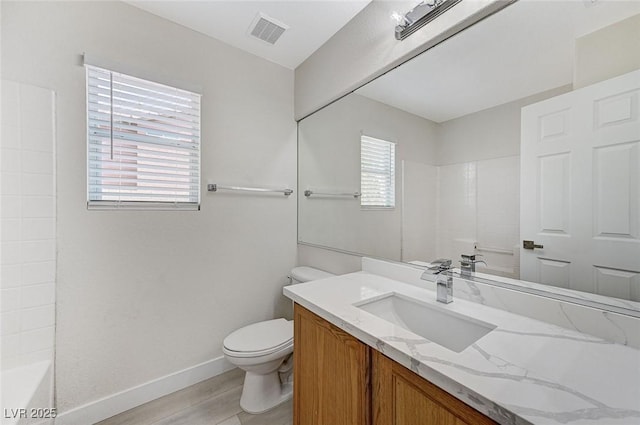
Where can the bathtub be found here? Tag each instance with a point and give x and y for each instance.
(27, 395)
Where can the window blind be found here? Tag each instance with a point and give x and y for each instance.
(377, 173)
(143, 143)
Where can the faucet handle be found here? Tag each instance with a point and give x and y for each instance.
(440, 265)
(470, 262)
(440, 262)
(470, 257)
(437, 266)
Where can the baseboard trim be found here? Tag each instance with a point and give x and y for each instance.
(122, 401)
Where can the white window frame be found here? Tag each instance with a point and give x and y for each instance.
(143, 143)
(386, 151)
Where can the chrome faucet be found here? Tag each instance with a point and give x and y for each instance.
(444, 281)
(468, 264)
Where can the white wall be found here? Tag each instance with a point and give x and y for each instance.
(490, 133)
(27, 227)
(330, 261)
(329, 160)
(366, 48)
(142, 294)
(608, 52)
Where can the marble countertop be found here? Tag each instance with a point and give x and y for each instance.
(523, 372)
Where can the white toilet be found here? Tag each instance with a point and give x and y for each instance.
(264, 351)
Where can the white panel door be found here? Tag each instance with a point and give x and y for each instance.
(580, 189)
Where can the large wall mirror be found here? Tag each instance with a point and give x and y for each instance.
(524, 126)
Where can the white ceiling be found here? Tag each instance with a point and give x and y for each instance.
(311, 23)
(525, 49)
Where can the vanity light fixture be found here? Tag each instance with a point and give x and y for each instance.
(419, 16)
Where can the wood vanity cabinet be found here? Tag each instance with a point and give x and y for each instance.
(401, 397)
(338, 380)
(331, 378)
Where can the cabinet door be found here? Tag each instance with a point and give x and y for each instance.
(331, 374)
(400, 397)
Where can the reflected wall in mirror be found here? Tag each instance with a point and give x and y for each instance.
(524, 126)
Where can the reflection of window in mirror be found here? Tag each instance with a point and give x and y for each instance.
(377, 173)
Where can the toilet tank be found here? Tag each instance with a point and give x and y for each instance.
(306, 274)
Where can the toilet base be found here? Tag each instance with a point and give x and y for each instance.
(261, 393)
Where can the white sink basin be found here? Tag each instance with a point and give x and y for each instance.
(446, 328)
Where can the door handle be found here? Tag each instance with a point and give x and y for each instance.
(530, 245)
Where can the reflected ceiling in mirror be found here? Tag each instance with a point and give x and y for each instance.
(488, 129)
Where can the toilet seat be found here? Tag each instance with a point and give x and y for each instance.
(260, 339)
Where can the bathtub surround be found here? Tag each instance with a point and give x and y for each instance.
(28, 233)
(145, 295)
(28, 224)
(28, 387)
(478, 205)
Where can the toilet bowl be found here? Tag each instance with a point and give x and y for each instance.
(263, 350)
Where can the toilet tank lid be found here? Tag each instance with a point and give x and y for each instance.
(307, 274)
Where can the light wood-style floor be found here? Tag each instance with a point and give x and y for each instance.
(215, 401)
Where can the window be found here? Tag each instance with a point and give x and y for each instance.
(377, 173)
(143, 143)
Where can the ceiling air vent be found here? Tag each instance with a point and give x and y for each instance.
(267, 29)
